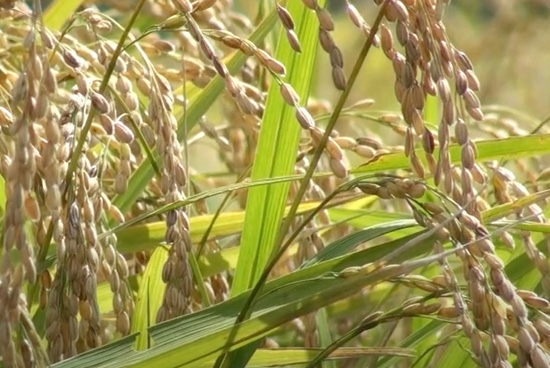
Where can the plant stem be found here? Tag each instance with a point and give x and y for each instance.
(341, 341)
(218, 212)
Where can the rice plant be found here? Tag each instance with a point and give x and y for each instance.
(205, 184)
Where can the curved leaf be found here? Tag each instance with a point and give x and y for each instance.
(149, 299)
(494, 149)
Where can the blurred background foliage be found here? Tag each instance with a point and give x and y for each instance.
(508, 38)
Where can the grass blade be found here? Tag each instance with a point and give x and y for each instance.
(296, 356)
(493, 149)
(149, 300)
(276, 152)
(58, 12)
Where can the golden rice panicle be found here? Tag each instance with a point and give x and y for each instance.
(306, 121)
(248, 105)
(475, 321)
(53, 88)
(176, 272)
(508, 189)
(477, 245)
(428, 66)
(28, 106)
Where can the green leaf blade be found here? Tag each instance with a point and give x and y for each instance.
(276, 153)
(150, 295)
(493, 149)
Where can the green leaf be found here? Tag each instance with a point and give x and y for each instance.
(100, 357)
(147, 236)
(276, 152)
(431, 110)
(348, 243)
(456, 356)
(217, 262)
(277, 306)
(198, 336)
(505, 209)
(494, 149)
(59, 11)
(325, 338)
(294, 356)
(527, 225)
(149, 299)
(104, 297)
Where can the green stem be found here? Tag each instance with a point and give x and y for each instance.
(199, 279)
(218, 212)
(340, 342)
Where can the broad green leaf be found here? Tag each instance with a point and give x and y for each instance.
(147, 236)
(276, 151)
(223, 260)
(456, 356)
(59, 11)
(527, 225)
(277, 307)
(104, 297)
(150, 295)
(294, 356)
(494, 149)
(198, 106)
(192, 338)
(431, 110)
(101, 357)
